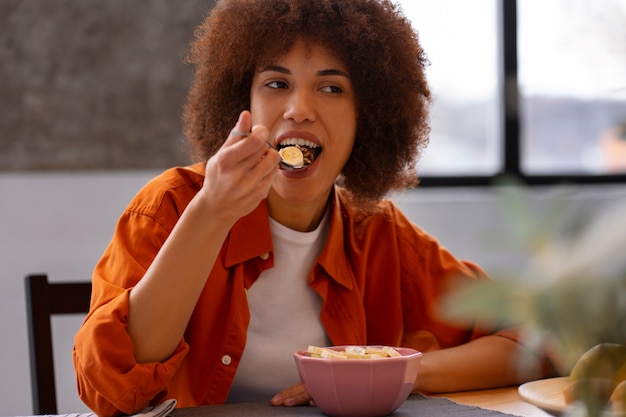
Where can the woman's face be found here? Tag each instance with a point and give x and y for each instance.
(307, 95)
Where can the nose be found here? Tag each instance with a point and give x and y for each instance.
(300, 107)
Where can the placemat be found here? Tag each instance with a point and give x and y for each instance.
(415, 405)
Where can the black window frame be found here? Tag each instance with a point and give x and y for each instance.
(510, 132)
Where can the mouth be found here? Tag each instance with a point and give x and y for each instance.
(308, 149)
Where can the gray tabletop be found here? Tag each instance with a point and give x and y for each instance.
(415, 405)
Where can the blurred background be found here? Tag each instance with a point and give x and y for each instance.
(91, 93)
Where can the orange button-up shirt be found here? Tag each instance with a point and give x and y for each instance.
(379, 276)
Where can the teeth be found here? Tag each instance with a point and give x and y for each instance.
(299, 141)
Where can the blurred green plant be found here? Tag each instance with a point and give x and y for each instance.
(571, 295)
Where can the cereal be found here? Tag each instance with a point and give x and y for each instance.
(354, 352)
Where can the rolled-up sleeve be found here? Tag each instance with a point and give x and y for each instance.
(109, 379)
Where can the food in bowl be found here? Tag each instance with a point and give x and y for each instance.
(360, 386)
(354, 352)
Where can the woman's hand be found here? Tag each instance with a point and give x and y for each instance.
(293, 396)
(240, 174)
(238, 178)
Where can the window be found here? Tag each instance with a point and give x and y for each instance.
(459, 38)
(561, 113)
(572, 83)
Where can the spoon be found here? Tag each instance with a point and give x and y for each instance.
(286, 165)
(283, 164)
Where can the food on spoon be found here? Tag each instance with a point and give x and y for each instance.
(599, 376)
(307, 155)
(291, 148)
(292, 155)
(354, 352)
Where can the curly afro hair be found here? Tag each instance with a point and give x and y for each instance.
(375, 41)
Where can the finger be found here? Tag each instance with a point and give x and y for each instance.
(258, 180)
(242, 127)
(242, 154)
(255, 177)
(253, 150)
(291, 401)
(298, 399)
(267, 178)
(292, 396)
(270, 155)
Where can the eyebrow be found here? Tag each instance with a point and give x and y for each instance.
(324, 72)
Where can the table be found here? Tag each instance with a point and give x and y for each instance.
(505, 400)
(484, 403)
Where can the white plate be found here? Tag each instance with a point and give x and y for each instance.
(547, 394)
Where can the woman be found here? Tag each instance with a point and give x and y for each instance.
(218, 271)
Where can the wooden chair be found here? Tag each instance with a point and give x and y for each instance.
(43, 300)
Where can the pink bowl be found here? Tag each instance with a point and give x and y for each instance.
(359, 387)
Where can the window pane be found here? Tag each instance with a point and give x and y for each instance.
(572, 77)
(460, 38)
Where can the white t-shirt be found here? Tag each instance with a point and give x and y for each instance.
(284, 316)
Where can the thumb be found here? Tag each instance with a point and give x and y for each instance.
(242, 127)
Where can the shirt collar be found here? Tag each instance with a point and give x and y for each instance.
(251, 237)
(333, 257)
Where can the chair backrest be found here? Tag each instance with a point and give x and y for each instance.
(43, 300)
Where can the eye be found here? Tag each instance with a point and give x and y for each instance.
(333, 89)
(276, 84)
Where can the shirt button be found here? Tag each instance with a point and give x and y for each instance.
(265, 256)
(226, 360)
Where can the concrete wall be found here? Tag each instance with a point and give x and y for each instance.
(94, 84)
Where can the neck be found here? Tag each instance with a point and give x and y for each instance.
(302, 217)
